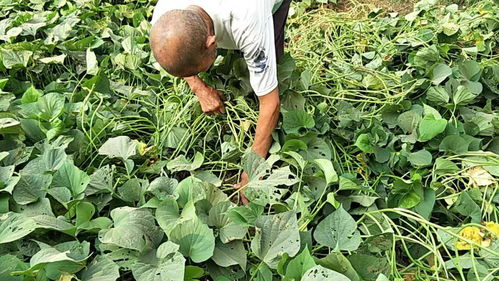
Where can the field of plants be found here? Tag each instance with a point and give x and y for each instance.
(384, 166)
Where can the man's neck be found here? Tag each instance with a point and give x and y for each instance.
(206, 17)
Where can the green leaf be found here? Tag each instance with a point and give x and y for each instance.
(30, 188)
(193, 272)
(133, 190)
(232, 253)
(430, 127)
(31, 95)
(328, 170)
(297, 121)
(454, 144)
(299, 265)
(12, 59)
(14, 226)
(65, 257)
(338, 231)
(11, 263)
(338, 262)
(305, 79)
(439, 73)
(182, 164)
(276, 235)
(471, 70)
(245, 215)
(54, 158)
(101, 269)
(409, 121)
(119, 147)
(463, 96)
(409, 200)
(319, 273)
(438, 95)
(228, 230)
(190, 189)
(54, 59)
(364, 143)
(167, 264)
(264, 191)
(50, 106)
(444, 166)
(163, 187)
(450, 28)
(72, 178)
(167, 214)
(133, 229)
(420, 159)
(369, 266)
(84, 212)
(92, 64)
(195, 238)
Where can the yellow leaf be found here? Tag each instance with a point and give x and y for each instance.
(66, 277)
(493, 228)
(470, 233)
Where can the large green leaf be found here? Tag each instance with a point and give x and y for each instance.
(195, 238)
(297, 121)
(182, 164)
(275, 236)
(72, 178)
(168, 214)
(232, 253)
(264, 191)
(438, 95)
(430, 127)
(439, 73)
(15, 58)
(163, 187)
(163, 264)
(30, 188)
(338, 262)
(66, 257)
(299, 265)
(11, 263)
(319, 273)
(471, 70)
(50, 106)
(119, 147)
(190, 189)
(338, 231)
(228, 230)
(14, 226)
(420, 158)
(101, 269)
(134, 228)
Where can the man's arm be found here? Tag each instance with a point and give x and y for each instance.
(267, 121)
(209, 98)
(268, 116)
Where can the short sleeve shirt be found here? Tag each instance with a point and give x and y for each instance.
(242, 25)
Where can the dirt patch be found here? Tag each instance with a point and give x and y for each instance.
(390, 6)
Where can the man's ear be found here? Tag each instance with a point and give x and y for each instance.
(210, 41)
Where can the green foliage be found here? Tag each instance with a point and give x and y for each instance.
(386, 149)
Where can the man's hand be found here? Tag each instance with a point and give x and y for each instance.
(242, 182)
(209, 98)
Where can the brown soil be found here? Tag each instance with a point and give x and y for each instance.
(389, 6)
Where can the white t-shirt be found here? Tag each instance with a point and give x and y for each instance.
(245, 25)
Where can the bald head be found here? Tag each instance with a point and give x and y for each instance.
(179, 42)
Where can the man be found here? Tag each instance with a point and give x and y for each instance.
(186, 33)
